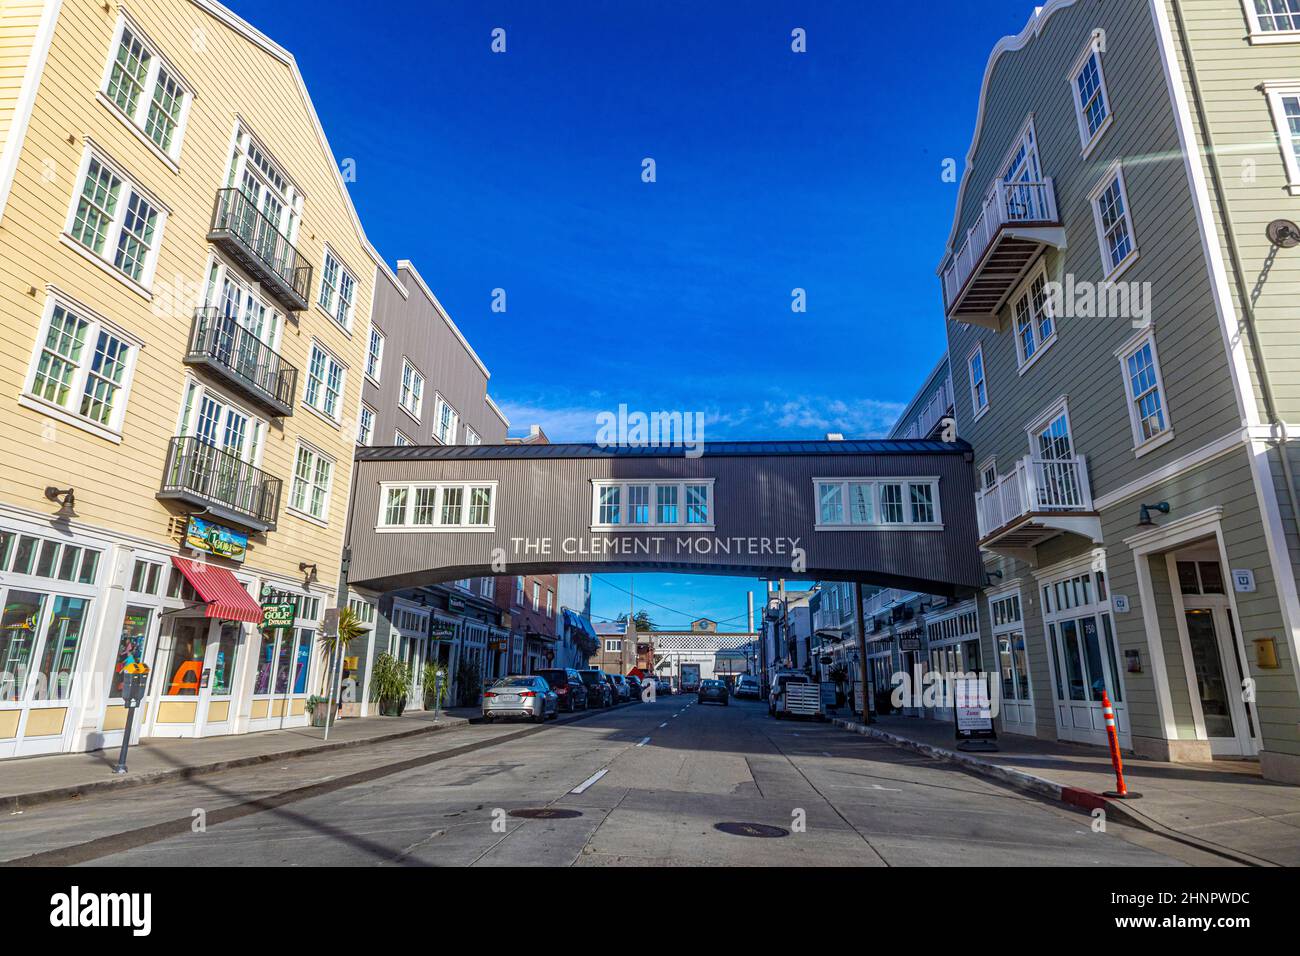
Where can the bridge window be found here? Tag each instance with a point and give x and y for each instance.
(877, 504)
(653, 505)
(448, 506)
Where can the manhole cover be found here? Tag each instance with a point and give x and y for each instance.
(546, 813)
(751, 829)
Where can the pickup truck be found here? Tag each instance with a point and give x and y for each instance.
(794, 694)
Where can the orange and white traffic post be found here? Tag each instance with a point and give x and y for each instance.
(1120, 792)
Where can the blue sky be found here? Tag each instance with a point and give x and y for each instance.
(774, 171)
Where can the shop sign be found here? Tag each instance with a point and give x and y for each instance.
(973, 712)
(278, 615)
(442, 631)
(216, 539)
(455, 604)
(1243, 580)
(909, 642)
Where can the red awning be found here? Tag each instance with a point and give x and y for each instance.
(224, 596)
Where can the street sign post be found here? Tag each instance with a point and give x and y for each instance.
(135, 678)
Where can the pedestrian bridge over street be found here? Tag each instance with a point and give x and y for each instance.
(889, 513)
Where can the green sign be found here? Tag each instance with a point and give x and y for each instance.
(278, 615)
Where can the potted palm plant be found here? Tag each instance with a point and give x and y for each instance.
(390, 685)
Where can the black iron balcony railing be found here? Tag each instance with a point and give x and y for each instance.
(222, 483)
(246, 233)
(220, 343)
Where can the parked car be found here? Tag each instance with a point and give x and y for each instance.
(521, 695)
(599, 692)
(664, 686)
(636, 685)
(568, 686)
(712, 690)
(622, 689)
(747, 686)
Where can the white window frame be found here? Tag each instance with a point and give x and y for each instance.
(113, 236)
(337, 417)
(1041, 345)
(402, 440)
(1142, 446)
(1257, 33)
(1044, 419)
(71, 415)
(1276, 93)
(875, 483)
(978, 409)
(472, 437)
(138, 120)
(361, 425)
(316, 456)
(623, 524)
(1087, 140)
(439, 488)
(613, 645)
(1114, 173)
(375, 357)
(291, 198)
(329, 303)
(989, 464)
(412, 383)
(219, 272)
(439, 404)
(187, 420)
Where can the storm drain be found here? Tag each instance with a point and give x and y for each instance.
(751, 830)
(545, 813)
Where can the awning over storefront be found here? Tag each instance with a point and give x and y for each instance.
(578, 622)
(223, 595)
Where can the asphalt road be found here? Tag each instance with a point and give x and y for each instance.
(648, 782)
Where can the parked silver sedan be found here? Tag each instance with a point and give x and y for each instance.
(521, 695)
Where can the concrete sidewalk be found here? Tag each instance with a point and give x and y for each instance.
(27, 781)
(1224, 807)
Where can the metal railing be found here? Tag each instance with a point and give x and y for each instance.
(1006, 203)
(220, 339)
(197, 470)
(932, 412)
(237, 216)
(1034, 485)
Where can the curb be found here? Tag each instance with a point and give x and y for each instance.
(21, 801)
(1040, 786)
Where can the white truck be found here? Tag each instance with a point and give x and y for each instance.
(794, 694)
(690, 678)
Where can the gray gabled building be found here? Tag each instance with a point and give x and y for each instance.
(1121, 328)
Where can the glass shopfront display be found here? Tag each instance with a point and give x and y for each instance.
(53, 679)
(184, 670)
(20, 626)
(1084, 658)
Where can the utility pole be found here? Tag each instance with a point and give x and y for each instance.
(862, 652)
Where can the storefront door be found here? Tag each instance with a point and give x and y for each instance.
(1211, 641)
(1085, 659)
(413, 651)
(181, 699)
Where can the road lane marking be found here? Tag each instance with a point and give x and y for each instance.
(644, 741)
(589, 781)
(663, 725)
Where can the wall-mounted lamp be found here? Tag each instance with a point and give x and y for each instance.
(989, 576)
(1144, 514)
(308, 573)
(66, 499)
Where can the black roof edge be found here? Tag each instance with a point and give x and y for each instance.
(724, 449)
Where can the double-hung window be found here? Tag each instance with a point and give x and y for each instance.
(312, 475)
(1273, 21)
(324, 390)
(445, 422)
(412, 395)
(979, 389)
(873, 504)
(1091, 100)
(1284, 103)
(442, 506)
(82, 368)
(375, 354)
(653, 504)
(1146, 404)
(401, 440)
(145, 90)
(1110, 209)
(472, 437)
(1031, 309)
(115, 220)
(366, 425)
(338, 290)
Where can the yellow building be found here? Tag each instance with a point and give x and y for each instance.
(185, 292)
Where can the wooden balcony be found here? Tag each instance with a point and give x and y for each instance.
(1017, 222)
(1037, 500)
